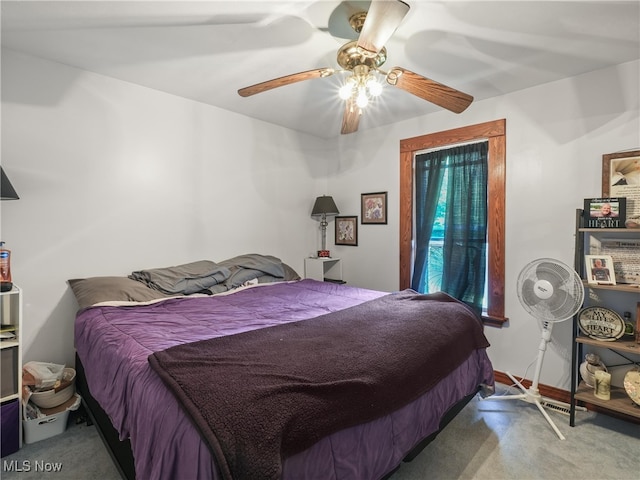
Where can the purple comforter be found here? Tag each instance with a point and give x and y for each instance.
(114, 342)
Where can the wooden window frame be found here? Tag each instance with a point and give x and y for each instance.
(495, 133)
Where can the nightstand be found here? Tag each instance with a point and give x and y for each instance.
(323, 269)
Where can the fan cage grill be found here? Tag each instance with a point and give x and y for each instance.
(568, 290)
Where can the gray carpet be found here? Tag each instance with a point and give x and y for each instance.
(487, 440)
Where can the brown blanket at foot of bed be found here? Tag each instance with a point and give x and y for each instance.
(265, 394)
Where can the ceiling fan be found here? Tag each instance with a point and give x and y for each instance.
(362, 58)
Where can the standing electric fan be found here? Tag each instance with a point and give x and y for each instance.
(552, 292)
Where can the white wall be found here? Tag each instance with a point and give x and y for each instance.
(556, 136)
(115, 177)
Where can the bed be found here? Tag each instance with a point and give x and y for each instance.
(261, 374)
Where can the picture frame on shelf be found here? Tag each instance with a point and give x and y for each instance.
(638, 323)
(599, 270)
(347, 230)
(605, 212)
(621, 178)
(374, 208)
(625, 253)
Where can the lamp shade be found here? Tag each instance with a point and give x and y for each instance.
(325, 205)
(7, 192)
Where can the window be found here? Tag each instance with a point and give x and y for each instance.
(495, 133)
(450, 234)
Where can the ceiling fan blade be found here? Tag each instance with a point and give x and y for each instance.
(383, 18)
(429, 90)
(286, 80)
(351, 117)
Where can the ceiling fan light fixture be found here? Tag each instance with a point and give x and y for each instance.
(374, 87)
(362, 100)
(362, 59)
(361, 87)
(346, 91)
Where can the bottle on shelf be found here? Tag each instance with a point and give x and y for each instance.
(5, 269)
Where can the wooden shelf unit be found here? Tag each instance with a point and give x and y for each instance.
(618, 288)
(628, 346)
(620, 402)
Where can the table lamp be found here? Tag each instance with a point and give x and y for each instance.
(324, 206)
(7, 192)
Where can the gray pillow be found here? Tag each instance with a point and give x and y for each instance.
(89, 291)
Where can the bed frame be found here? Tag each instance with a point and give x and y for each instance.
(122, 455)
(120, 451)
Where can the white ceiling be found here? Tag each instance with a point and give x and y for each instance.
(207, 50)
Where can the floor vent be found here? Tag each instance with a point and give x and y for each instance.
(556, 408)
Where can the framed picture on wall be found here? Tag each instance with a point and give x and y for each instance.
(374, 208)
(347, 230)
(621, 178)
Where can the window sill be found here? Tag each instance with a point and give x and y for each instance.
(497, 322)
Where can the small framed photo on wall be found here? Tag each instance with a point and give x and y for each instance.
(374, 208)
(347, 230)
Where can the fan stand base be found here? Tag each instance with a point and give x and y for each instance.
(532, 395)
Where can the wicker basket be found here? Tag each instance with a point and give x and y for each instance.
(57, 396)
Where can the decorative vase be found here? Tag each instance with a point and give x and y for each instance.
(602, 389)
(589, 367)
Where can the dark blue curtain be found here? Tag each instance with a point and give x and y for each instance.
(465, 232)
(429, 172)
